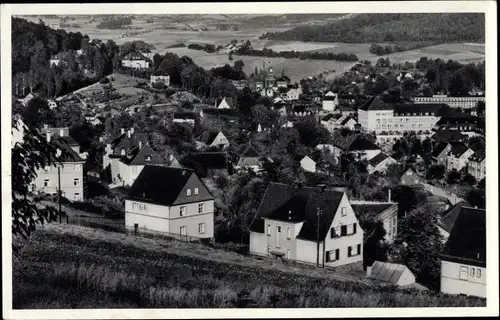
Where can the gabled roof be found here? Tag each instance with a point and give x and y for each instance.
(458, 149)
(299, 204)
(387, 272)
(449, 216)
(370, 210)
(408, 169)
(186, 115)
(249, 157)
(345, 120)
(209, 136)
(328, 117)
(162, 185)
(439, 148)
(135, 56)
(376, 103)
(68, 154)
(356, 143)
(418, 109)
(250, 152)
(69, 141)
(467, 241)
(478, 156)
(138, 156)
(124, 142)
(375, 161)
(160, 73)
(229, 101)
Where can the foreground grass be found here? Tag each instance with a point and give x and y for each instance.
(72, 270)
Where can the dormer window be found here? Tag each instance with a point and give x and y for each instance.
(188, 192)
(122, 152)
(148, 158)
(196, 191)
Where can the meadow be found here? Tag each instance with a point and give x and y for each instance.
(65, 266)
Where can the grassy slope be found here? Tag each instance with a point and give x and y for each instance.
(74, 267)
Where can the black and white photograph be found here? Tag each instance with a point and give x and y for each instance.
(256, 156)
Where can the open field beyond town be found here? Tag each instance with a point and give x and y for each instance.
(75, 267)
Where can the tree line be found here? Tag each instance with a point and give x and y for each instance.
(114, 23)
(388, 27)
(381, 50)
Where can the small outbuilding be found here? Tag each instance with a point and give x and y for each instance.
(396, 274)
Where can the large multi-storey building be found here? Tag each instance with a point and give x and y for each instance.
(390, 121)
(454, 102)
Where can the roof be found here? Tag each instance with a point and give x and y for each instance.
(376, 103)
(68, 154)
(250, 152)
(138, 156)
(378, 159)
(467, 240)
(160, 73)
(449, 135)
(356, 143)
(185, 115)
(162, 185)
(124, 142)
(345, 120)
(370, 210)
(209, 136)
(439, 148)
(328, 117)
(229, 101)
(299, 204)
(458, 149)
(134, 56)
(387, 272)
(457, 120)
(220, 112)
(449, 216)
(208, 160)
(477, 146)
(69, 140)
(478, 156)
(418, 109)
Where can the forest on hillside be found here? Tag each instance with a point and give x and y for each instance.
(388, 27)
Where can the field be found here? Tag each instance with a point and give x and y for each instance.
(75, 267)
(462, 52)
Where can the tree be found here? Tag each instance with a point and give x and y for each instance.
(373, 246)
(419, 245)
(28, 157)
(469, 179)
(482, 184)
(408, 198)
(436, 172)
(477, 198)
(453, 177)
(238, 65)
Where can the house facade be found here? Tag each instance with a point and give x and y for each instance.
(330, 101)
(308, 164)
(477, 166)
(135, 60)
(130, 166)
(380, 163)
(439, 156)
(454, 102)
(458, 156)
(410, 178)
(463, 261)
(287, 222)
(383, 211)
(160, 77)
(170, 200)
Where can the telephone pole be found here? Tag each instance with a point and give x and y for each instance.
(59, 191)
(318, 214)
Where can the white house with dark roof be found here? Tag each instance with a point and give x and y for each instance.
(463, 261)
(171, 201)
(374, 211)
(130, 166)
(477, 165)
(309, 225)
(250, 159)
(380, 163)
(214, 139)
(458, 156)
(447, 218)
(330, 101)
(160, 76)
(308, 164)
(135, 60)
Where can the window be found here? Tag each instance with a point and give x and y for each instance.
(122, 152)
(410, 173)
(76, 181)
(354, 251)
(278, 231)
(268, 229)
(463, 273)
(289, 233)
(343, 231)
(188, 192)
(148, 158)
(335, 232)
(196, 191)
(46, 182)
(343, 211)
(183, 211)
(478, 273)
(288, 254)
(394, 226)
(201, 227)
(472, 271)
(201, 208)
(333, 255)
(183, 231)
(78, 167)
(77, 196)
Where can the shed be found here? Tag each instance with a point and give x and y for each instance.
(396, 274)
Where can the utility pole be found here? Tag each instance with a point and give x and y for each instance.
(318, 214)
(59, 191)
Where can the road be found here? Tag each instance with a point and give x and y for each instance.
(454, 199)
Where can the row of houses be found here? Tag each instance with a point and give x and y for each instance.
(457, 156)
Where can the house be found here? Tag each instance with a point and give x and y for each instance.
(293, 93)
(214, 139)
(308, 164)
(448, 136)
(93, 120)
(208, 164)
(330, 121)
(18, 130)
(240, 84)
(172, 201)
(453, 102)
(477, 165)
(184, 117)
(282, 82)
(410, 178)
(463, 261)
(250, 159)
(130, 166)
(458, 156)
(404, 76)
(461, 123)
(224, 103)
(395, 274)
(370, 212)
(135, 60)
(357, 145)
(56, 60)
(439, 203)
(447, 218)
(439, 155)
(347, 122)
(380, 163)
(69, 174)
(309, 225)
(121, 147)
(160, 76)
(330, 101)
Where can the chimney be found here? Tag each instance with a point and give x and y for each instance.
(108, 148)
(171, 157)
(48, 135)
(389, 196)
(45, 126)
(122, 130)
(129, 134)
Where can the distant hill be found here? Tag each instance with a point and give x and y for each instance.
(388, 27)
